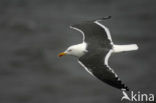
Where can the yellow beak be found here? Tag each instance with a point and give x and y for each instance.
(62, 54)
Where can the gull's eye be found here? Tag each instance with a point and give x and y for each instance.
(69, 50)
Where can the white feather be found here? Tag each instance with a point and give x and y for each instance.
(88, 70)
(77, 50)
(79, 31)
(122, 48)
(106, 29)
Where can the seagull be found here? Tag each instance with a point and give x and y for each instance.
(94, 51)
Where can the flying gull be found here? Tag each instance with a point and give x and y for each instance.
(93, 53)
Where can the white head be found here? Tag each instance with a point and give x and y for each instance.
(75, 50)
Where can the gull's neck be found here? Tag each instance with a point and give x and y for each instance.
(81, 49)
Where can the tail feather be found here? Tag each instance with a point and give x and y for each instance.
(122, 48)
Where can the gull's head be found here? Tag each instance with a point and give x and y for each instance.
(75, 50)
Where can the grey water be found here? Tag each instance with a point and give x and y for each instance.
(33, 32)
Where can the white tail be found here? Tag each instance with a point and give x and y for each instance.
(122, 48)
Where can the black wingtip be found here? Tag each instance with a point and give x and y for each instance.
(125, 88)
(104, 18)
(107, 17)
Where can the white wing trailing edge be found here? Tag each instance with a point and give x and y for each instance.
(99, 44)
(77, 29)
(106, 29)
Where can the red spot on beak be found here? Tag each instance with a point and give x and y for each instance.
(62, 54)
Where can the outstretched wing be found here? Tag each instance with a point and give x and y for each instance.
(99, 45)
(94, 33)
(93, 62)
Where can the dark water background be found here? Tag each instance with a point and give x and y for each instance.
(33, 32)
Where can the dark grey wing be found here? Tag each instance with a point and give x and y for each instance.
(95, 34)
(93, 61)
